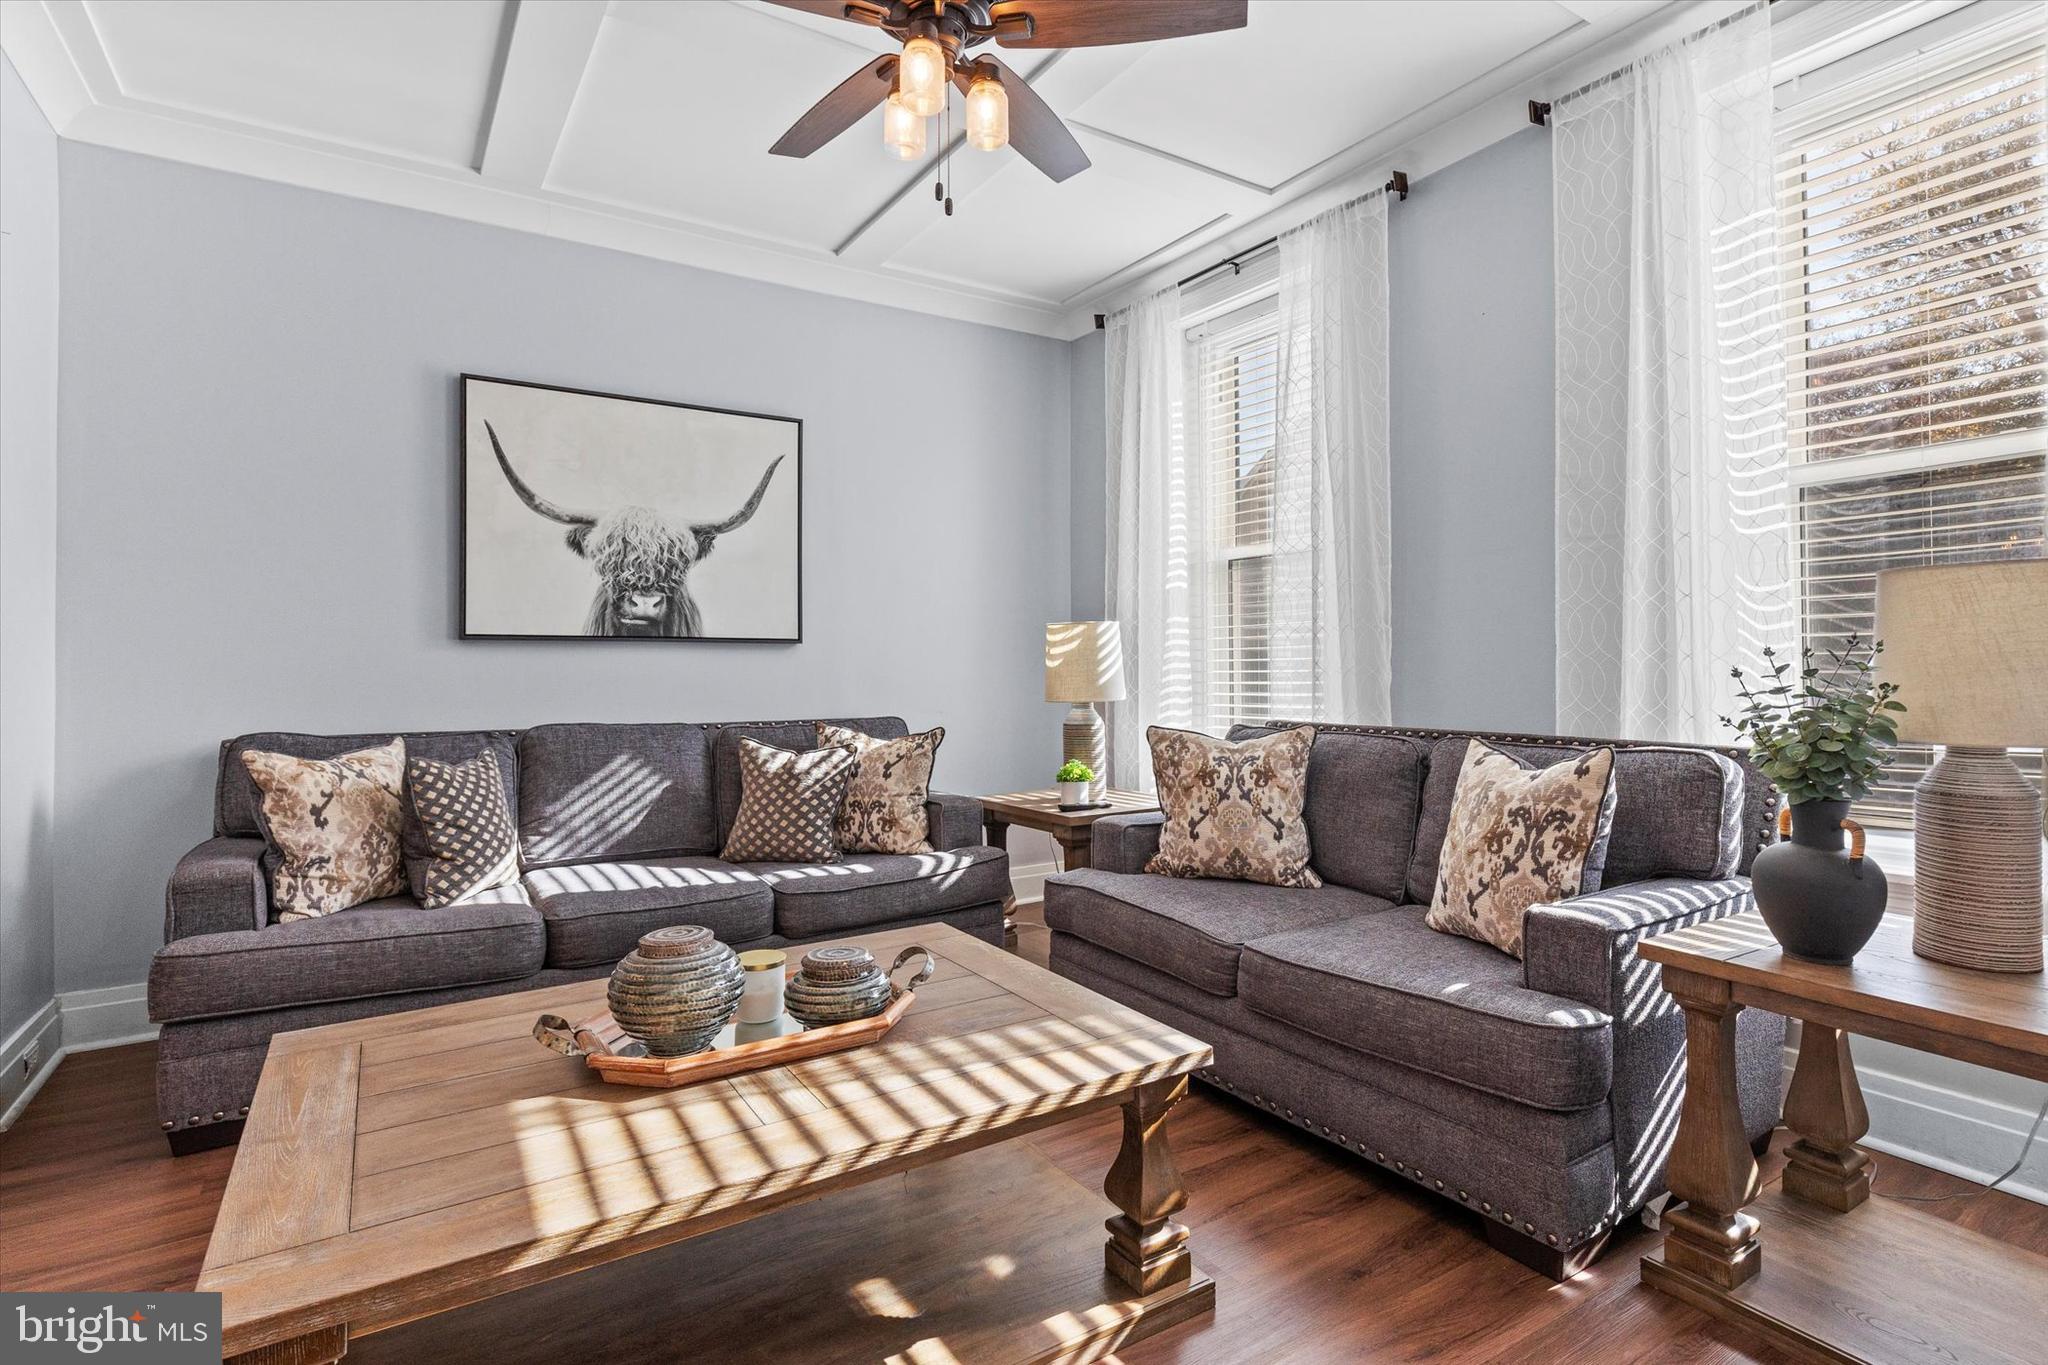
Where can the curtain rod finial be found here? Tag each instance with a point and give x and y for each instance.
(1101, 320)
(1399, 184)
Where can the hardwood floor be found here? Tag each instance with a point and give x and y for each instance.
(1316, 1257)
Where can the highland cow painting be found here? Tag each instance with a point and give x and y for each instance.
(597, 515)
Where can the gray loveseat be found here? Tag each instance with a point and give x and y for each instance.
(619, 828)
(1542, 1094)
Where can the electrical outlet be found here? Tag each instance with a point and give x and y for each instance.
(31, 1059)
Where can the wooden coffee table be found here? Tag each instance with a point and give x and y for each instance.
(406, 1166)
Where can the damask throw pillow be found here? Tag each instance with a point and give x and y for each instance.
(1233, 811)
(884, 807)
(333, 827)
(458, 834)
(1520, 837)
(789, 802)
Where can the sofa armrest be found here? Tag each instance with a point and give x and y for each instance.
(216, 887)
(1584, 948)
(1125, 843)
(952, 821)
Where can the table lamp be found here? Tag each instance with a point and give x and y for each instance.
(1084, 664)
(1967, 645)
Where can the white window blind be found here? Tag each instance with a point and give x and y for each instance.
(1254, 669)
(1914, 243)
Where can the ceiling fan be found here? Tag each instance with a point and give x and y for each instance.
(938, 35)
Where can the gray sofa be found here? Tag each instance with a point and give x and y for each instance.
(619, 828)
(1542, 1094)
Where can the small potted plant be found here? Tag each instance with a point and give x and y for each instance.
(1823, 738)
(1074, 778)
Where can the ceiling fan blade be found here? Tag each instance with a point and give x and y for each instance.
(1070, 23)
(1035, 130)
(859, 11)
(840, 109)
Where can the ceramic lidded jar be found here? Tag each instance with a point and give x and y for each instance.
(837, 985)
(676, 990)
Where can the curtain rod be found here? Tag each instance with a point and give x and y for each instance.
(1539, 110)
(1397, 185)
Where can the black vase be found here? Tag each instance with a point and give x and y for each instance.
(1821, 901)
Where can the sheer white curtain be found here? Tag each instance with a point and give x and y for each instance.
(1156, 512)
(1184, 510)
(1333, 582)
(1674, 553)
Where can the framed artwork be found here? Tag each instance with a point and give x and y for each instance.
(598, 515)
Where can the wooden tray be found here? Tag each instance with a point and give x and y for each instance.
(738, 1047)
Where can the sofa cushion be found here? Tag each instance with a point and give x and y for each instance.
(789, 803)
(596, 912)
(457, 832)
(1186, 928)
(333, 826)
(236, 800)
(589, 791)
(783, 734)
(1520, 837)
(1233, 807)
(883, 811)
(1363, 795)
(814, 900)
(1678, 812)
(1390, 985)
(381, 947)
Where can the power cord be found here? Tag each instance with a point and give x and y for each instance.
(2010, 1172)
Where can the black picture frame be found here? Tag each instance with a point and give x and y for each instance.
(464, 455)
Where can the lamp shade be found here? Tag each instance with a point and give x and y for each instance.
(1084, 661)
(1967, 645)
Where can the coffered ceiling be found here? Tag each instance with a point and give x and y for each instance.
(644, 125)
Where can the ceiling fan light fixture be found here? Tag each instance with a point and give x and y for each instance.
(902, 129)
(921, 77)
(988, 114)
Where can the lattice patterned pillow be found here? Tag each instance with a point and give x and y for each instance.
(884, 807)
(459, 838)
(789, 802)
(1233, 811)
(333, 827)
(1519, 837)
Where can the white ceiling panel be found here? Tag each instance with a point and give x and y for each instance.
(681, 103)
(1306, 79)
(390, 75)
(1008, 226)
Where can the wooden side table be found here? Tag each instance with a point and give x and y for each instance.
(1071, 830)
(1848, 1278)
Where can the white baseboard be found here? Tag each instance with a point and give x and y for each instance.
(74, 1021)
(1027, 883)
(111, 1017)
(1952, 1116)
(41, 1034)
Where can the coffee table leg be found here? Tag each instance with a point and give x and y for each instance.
(1712, 1168)
(1147, 1250)
(1825, 1107)
(323, 1347)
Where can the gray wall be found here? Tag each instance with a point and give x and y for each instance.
(1088, 446)
(257, 519)
(28, 563)
(1469, 260)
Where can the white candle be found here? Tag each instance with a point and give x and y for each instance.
(761, 1000)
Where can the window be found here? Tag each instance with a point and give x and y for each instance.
(1255, 668)
(1914, 242)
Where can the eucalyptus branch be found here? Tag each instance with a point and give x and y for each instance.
(1828, 736)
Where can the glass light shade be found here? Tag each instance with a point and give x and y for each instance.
(921, 77)
(902, 130)
(988, 115)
